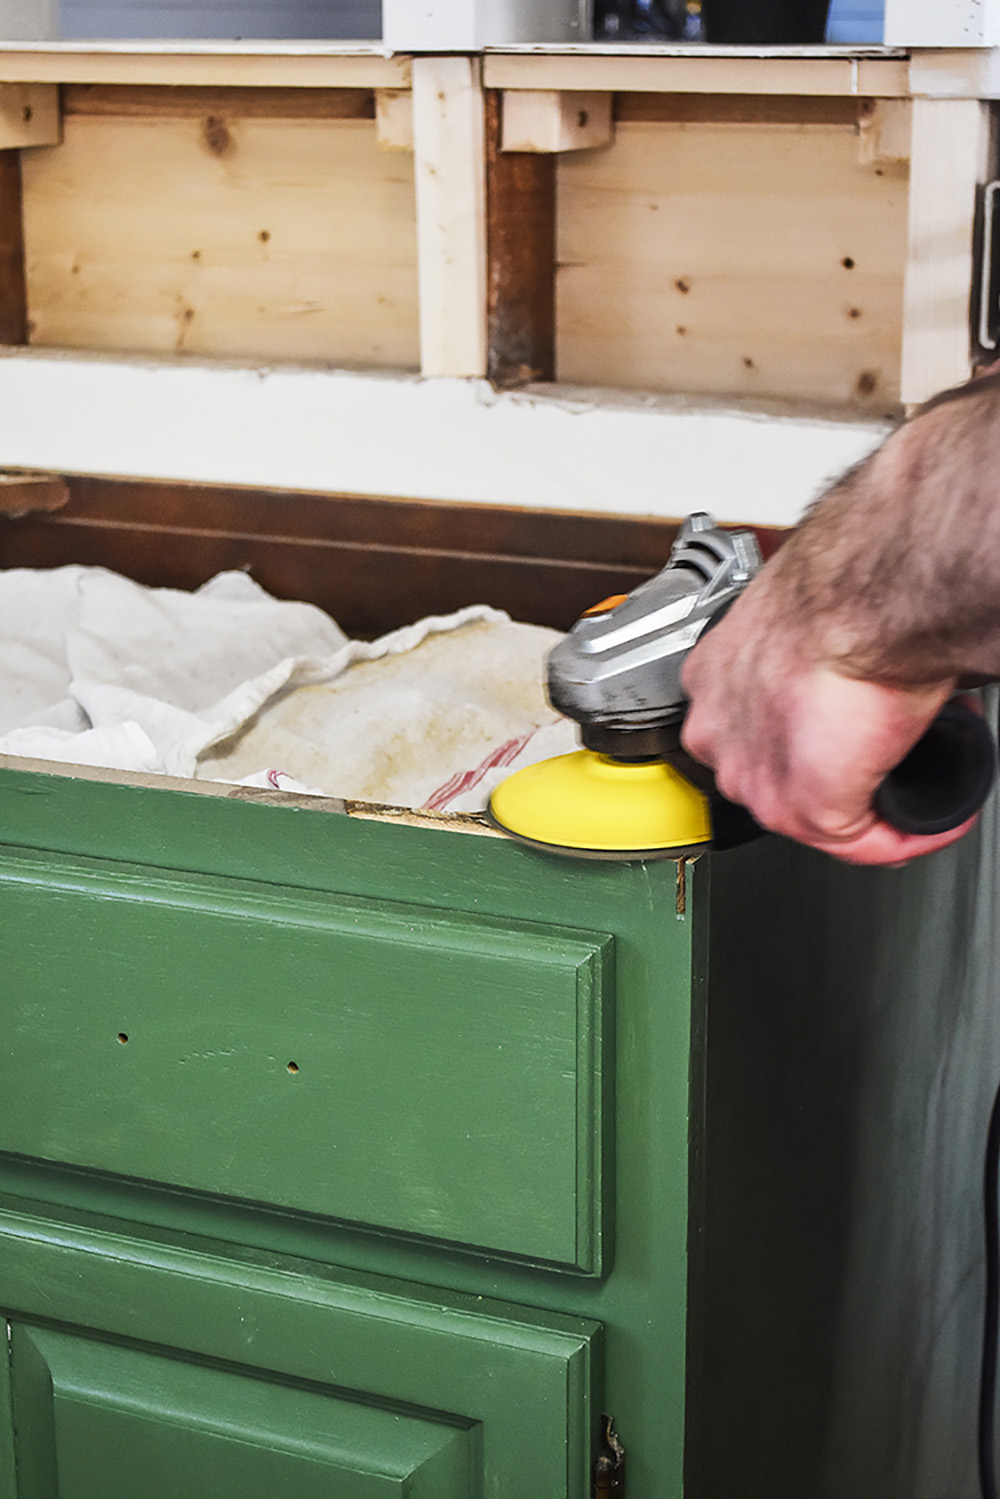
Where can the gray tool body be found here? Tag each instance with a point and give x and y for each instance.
(617, 673)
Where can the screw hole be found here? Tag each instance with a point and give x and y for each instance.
(123, 1038)
(582, 118)
(848, 263)
(293, 1067)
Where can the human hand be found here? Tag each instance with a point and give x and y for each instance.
(798, 741)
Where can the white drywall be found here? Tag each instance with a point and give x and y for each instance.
(942, 23)
(328, 430)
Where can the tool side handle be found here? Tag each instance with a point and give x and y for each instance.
(946, 776)
(941, 783)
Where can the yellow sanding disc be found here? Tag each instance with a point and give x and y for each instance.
(589, 805)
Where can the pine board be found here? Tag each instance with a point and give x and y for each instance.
(225, 236)
(733, 258)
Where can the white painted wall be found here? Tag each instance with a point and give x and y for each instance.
(455, 440)
(942, 23)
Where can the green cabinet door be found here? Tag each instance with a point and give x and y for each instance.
(140, 1373)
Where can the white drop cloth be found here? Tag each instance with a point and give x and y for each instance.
(231, 684)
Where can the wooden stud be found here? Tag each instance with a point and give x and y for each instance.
(949, 152)
(521, 248)
(394, 119)
(548, 121)
(13, 292)
(448, 134)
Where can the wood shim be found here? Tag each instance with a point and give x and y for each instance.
(735, 259)
(220, 235)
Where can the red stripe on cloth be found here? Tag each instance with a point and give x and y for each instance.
(464, 780)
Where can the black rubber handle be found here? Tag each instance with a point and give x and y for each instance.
(946, 776)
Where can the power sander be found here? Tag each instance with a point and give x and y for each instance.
(633, 792)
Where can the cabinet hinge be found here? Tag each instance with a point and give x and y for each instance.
(609, 1469)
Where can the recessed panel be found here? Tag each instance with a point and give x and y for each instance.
(399, 1067)
(93, 1419)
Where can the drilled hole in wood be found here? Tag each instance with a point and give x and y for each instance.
(854, 313)
(293, 1067)
(123, 1038)
(264, 236)
(848, 263)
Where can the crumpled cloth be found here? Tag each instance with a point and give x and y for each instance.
(228, 683)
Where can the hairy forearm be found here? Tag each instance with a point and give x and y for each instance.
(895, 575)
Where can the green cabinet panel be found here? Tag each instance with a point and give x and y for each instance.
(413, 1069)
(178, 1373)
(214, 932)
(94, 1418)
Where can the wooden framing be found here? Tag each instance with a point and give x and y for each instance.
(521, 249)
(457, 263)
(949, 158)
(449, 146)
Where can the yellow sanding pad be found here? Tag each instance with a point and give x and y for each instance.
(589, 806)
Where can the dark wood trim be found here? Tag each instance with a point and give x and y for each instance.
(521, 258)
(13, 288)
(373, 564)
(151, 101)
(23, 493)
(742, 109)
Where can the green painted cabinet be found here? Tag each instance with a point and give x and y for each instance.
(337, 1157)
(354, 1158)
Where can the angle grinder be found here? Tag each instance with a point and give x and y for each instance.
(632, 791)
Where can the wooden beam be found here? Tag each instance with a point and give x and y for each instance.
(949, 159)
(449, 143)
(213, 65)
(29, 115)
(547, 121)
(13, 292)
(737, 109)
(736, 71)
(521, 247)
(149, 101)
